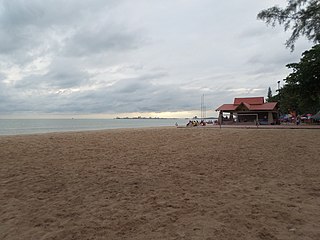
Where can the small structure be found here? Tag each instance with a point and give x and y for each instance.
(252, 110)
(316, 117)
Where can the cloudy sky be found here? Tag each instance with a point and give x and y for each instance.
(106, 58)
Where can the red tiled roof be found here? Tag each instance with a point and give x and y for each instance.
(247, 105)
(227, 107)
(265, 106)
(258, 106)
(250, 100)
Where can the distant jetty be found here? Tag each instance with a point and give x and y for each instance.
(139, 117)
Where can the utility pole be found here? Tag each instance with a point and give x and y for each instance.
(279, 99)
(203, 108)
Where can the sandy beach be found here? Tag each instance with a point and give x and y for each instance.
(161, 183)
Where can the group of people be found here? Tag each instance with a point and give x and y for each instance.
(196, 123)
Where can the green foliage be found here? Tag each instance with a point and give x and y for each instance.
(301, 16)
(289, 99)
(301, 92)
(269, 95)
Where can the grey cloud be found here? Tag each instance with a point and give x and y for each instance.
(100, 39)
(140, 94)
(5, 99)
(141, 84)
(62, 75)
(3, 76)
(43, 14)
(146, 97)
(18, 43)
(267, 63)
(257, 33)
(124, 87)
(66, 74)
(91, 50)
(34, 28)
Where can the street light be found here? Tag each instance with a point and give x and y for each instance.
(279, 97)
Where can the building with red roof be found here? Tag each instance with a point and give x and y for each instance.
(251, 110)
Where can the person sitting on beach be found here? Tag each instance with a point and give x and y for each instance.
(202, 123)
(189, 124)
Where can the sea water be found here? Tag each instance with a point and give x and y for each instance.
(30, 126)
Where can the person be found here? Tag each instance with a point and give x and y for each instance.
(176, 124)
(298, 120)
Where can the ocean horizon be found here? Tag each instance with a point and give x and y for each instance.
(34, 126)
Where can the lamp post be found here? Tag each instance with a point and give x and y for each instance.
(279, 100)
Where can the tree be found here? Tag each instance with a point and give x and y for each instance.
(306, 79)
(269, 96)
(301, 16)
(301, 92)
(289, 98)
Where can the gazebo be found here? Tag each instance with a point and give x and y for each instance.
(251, 110)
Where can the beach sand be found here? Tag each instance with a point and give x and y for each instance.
(161, 183)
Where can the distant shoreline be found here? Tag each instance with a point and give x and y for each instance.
(35, 126)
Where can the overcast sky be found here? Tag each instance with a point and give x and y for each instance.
(111, 58)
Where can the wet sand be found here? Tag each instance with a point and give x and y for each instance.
(161, 183)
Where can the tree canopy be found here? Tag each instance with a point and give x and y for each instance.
(269, 95)
(301, 16)
(301, 92)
